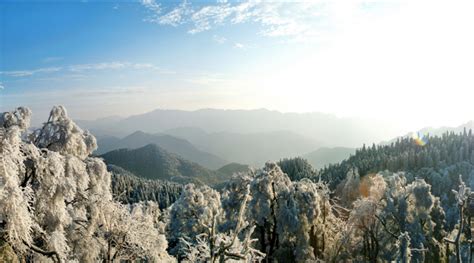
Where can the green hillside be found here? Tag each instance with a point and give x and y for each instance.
(153, 162)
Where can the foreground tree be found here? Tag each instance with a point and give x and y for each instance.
(55, 200)
(408, 212)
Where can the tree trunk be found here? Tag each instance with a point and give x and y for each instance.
(447, 252)
(458, 236)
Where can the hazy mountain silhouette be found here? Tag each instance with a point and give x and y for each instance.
(324, 156)
(440, 130)
(251, 148)
(326, 129)
(436, 131)
(172, 144)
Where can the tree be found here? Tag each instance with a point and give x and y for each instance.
(267, 189)
(290, 215)
(213, 245)
(408, 210)
(462, 196)
(55, 199)
(364, 217)
(191, 215)
(132, 233)
(199, 231)
(15, 197)
(297, 169)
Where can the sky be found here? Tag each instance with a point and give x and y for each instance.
(406, 62)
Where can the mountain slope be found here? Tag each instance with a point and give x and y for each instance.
(251, 148)
(172, 144)
(325, 156)
(450, 153)
(153, 162)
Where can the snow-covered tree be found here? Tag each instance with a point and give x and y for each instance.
(15, 196)
(199, 231)
(462, 196)
(60, 134)
(192, 214)
(408, 210)
(269, 187)
(55, 200)
(233, 194)
(364, 219)
(132, 233)
(348, 190)
(213, 246)
(291, 216)
(404, 250)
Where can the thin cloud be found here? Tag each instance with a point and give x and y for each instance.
(98, 66)
(219, 39)
(208, 79)
(152, 5)
(294, 20)
(149, 66)
(173, 18)
(116, 65)
(26, 73)
(79, 68)
(239, 46)
(112, 91)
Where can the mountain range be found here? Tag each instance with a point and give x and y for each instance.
(244, 150)
(326, 130)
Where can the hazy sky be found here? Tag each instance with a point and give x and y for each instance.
(407, 61)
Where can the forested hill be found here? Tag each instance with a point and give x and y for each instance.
(408, 154)
(172, 144)
(153, 162)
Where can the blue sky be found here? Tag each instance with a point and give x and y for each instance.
(100, 48)
(369, 59)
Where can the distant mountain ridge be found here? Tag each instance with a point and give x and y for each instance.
(440, 130)
(154, 162)
(172, 144)
(325, 129)
(253, 148)
(436, 131)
